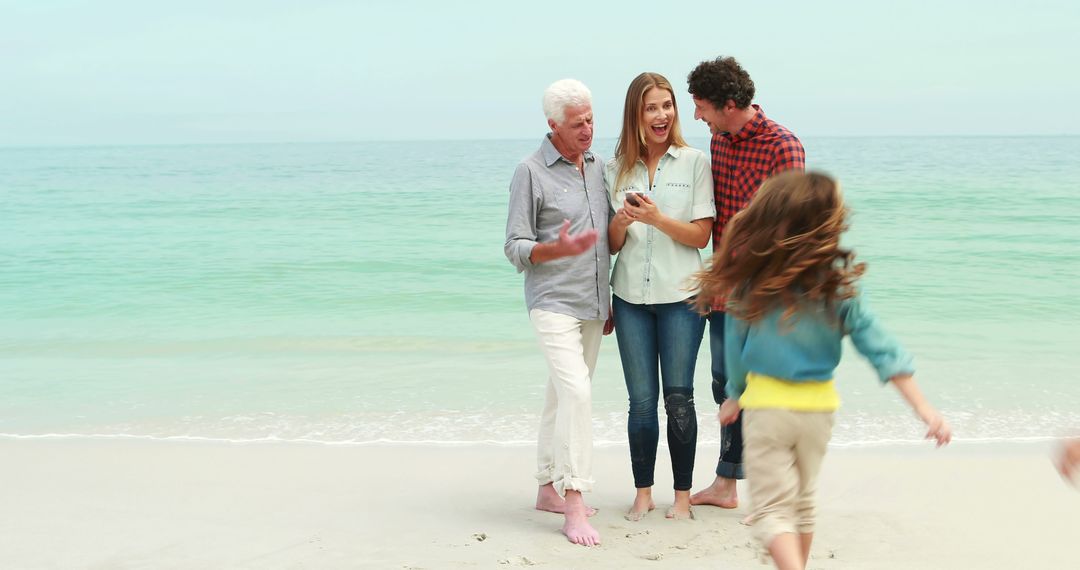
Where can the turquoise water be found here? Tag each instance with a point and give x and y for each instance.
(357, 292)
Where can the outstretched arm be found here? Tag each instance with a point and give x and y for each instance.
(936, 426)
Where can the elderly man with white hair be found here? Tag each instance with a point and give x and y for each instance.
(556, 233)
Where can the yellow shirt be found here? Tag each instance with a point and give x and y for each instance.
(768, 392)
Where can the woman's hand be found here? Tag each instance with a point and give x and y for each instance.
(622, 217)
(646, 211)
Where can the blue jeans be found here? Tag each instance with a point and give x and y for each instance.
(668, 334)
(730, 465)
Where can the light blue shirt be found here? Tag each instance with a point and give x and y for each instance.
(807, 347)
(651, 267)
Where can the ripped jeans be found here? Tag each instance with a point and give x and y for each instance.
(660, 341)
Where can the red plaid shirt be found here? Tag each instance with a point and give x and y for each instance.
(742, 161)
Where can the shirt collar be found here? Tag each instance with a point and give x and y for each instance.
(752, 127)
(552, 154)
(672, 150)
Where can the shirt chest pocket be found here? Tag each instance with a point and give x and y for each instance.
(569, 200)
(677, 199)
(620, 195)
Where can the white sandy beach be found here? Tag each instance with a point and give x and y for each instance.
(126, 504)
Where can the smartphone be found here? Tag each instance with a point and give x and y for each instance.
(632, 199)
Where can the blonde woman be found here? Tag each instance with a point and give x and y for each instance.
(662, 193)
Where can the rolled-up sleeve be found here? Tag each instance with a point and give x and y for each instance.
(521, 220)
(704, 199)
(872, 341)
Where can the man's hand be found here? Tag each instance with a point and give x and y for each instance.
(566, 246)
(609, 326)
(729, 412)
(578, 243)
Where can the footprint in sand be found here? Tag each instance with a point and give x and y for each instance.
(517, 561)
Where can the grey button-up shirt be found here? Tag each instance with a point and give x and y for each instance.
(546, 190)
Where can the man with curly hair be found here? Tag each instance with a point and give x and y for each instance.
(747, 147)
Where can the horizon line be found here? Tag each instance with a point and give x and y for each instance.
(31, 146)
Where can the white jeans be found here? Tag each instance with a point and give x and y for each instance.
(564, 452)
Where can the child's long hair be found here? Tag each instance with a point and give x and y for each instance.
(783, 250)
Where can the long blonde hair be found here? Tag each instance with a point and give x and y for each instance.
(632, 145)
(783, 250)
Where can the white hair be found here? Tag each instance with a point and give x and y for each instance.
(562, 94)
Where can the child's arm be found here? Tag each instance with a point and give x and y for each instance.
(937, 427)
(893, 364)
(735, 333)
(886, 355)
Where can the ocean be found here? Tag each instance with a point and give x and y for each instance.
(357, 293)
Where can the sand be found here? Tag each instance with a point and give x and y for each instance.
(125, 504)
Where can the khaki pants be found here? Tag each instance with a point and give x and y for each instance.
(783, 451)
(564, 451)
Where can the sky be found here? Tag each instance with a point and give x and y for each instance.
(242, 71)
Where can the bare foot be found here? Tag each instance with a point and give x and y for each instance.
(577, 528)
(722, 493)
(681, 509)
(579, 531)
(643, 503)
(548, 500)
(679, 513)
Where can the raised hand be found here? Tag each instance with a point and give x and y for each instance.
(578, 243)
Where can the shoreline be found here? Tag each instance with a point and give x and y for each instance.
(272, 440)
(80, 503)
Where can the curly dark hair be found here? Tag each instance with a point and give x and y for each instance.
(721, 80)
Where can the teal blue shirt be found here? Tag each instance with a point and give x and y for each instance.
(807, 347)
